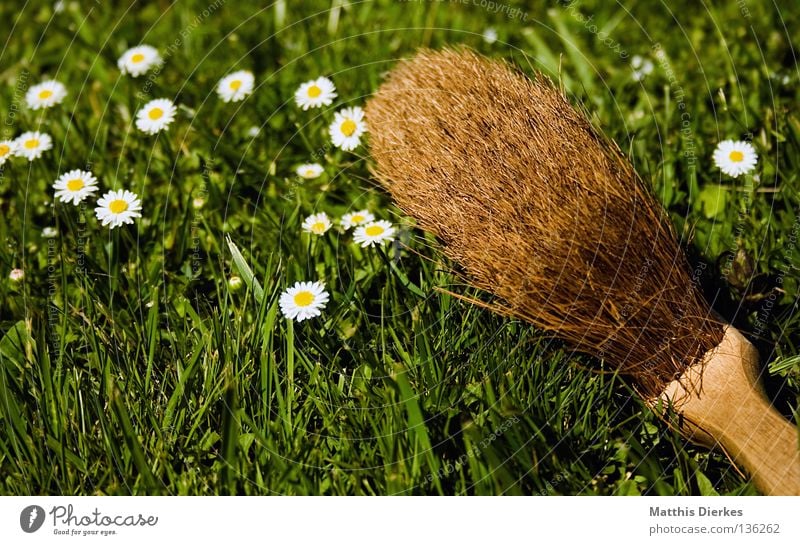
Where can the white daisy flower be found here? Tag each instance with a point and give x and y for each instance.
(74, 186)
(374, 233)
(641, 67)
(7, 150)
(490, 35)
(118, 207)
(49, 232)
(354, 219)
(317, 224)
(235, 87)
(16, 275)
(735, 158)
(138, 60)
(45, 95)
(315, 93)
(155, 116)
(253, 131)
(32, 144)
(304, 300)
(310, 171)
(347, 127)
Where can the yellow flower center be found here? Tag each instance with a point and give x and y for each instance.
(357, 218)
(137, 57)
(310, 172)
(318, 228)
(235, 84)
(45, 94)
(736, 156)
(348, 127)
(303, 298)
(374, 230)
(4, 150)
(118, 206)
(155, 113)
(75, 185)
(33, 143)
(314, 91)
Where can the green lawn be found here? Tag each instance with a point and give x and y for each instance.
(128, 365)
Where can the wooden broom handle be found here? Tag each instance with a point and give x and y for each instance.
(721, 402)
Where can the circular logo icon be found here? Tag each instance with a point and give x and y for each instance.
(31, 518)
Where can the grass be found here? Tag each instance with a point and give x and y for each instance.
(128, 366)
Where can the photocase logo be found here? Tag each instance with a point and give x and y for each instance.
(31, 518)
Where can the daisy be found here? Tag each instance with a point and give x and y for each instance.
(49, 232)
(7, 150)
(735, 158)
(354, 219)
(138, 60)
(374, 233)
(347, 127)
(155, 116)
(74, 186)
(16, 275)
(317, 224)
(490, 35)
(315, 93)
(32, 144)
(304, 300)
(118, 207)
(45, 95)
(310, 171)
(235, 87)
(641, 67)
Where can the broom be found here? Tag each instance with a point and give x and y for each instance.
(543, 211)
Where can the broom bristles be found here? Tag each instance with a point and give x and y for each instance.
(541, 210)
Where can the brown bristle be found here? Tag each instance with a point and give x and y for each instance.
(540, 209)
